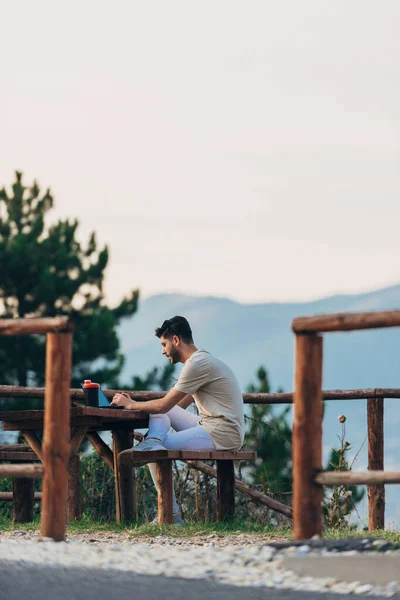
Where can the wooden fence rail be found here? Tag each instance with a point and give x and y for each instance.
(13, 391)
(331, 478)
(22, 471)
(35, 326)
(307, 424)
(9, 496)
(375, 409)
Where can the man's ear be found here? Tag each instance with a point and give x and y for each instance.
(176, 340)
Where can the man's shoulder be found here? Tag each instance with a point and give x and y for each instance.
(200, 357)
(205, 359)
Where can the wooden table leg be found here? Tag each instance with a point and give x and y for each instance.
(23, 498)
(34, 443)
(225, 490)
(74, 504)
(101, 448)
(23, 489)
(125, 490)
(165, 492)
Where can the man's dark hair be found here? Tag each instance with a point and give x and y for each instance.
(176, 326)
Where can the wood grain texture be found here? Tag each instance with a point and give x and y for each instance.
(307, 437)
(330, 478)
(346, 321)
(30, 471)
(77, 413)
(18, 456)
(37, 326)
(165, 492)
(376, 494)
(124, 476)
(133, 457)
(74, 502)
(9, 496)
(33, 442)
(56, 435)
(101, 448)
(77, 437)
(23, 500)
(225, 491)
(278, 398)
(15, 448)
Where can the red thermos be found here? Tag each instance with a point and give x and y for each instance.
(91, 392)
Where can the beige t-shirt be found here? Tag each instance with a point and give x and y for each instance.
(217, 394)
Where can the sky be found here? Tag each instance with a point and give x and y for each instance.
(247, 149)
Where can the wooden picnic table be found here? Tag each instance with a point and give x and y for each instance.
(88, 421)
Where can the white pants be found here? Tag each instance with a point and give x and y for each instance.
(188, 435)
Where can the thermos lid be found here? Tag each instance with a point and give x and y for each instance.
(88, 384)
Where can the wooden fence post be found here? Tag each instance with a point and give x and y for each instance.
(376, 493)
(56, 434)
(307, 437)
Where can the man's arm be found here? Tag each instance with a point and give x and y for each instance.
(186, 401)
(152, 407)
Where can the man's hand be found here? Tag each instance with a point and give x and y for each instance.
(123, 399)
(151, 407)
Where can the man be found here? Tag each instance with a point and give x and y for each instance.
(208, 382)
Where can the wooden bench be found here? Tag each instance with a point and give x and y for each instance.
(163, 460)
(23, 495)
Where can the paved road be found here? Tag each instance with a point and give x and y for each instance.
(59, 583)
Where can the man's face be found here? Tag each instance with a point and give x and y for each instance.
(170, 348)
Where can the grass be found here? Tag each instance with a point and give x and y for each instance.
(390, 535)
(137, 530)
(134, 529)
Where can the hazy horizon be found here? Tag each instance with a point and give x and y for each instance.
(242, 150)
(267, 301)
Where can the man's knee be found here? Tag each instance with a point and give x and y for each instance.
(159, 418)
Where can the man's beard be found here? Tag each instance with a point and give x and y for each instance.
(174, 355)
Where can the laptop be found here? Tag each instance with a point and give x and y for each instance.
(103, 400)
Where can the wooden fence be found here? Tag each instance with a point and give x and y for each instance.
(55, 448)
(308, 477)
(375, 410)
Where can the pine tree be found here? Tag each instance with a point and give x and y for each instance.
(270, 435)
(45, 271)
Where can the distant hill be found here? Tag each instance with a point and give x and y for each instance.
(248, 335)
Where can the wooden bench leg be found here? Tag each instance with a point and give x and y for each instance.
(125, 497)
(23, 500)
(74, 505)
(225, 490)
(165, 492)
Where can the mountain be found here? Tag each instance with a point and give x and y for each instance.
(246, 336)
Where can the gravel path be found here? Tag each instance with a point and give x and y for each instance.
(48, 583)
(233, 561)
(200, 538)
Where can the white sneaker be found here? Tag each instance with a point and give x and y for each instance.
(149, 444)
